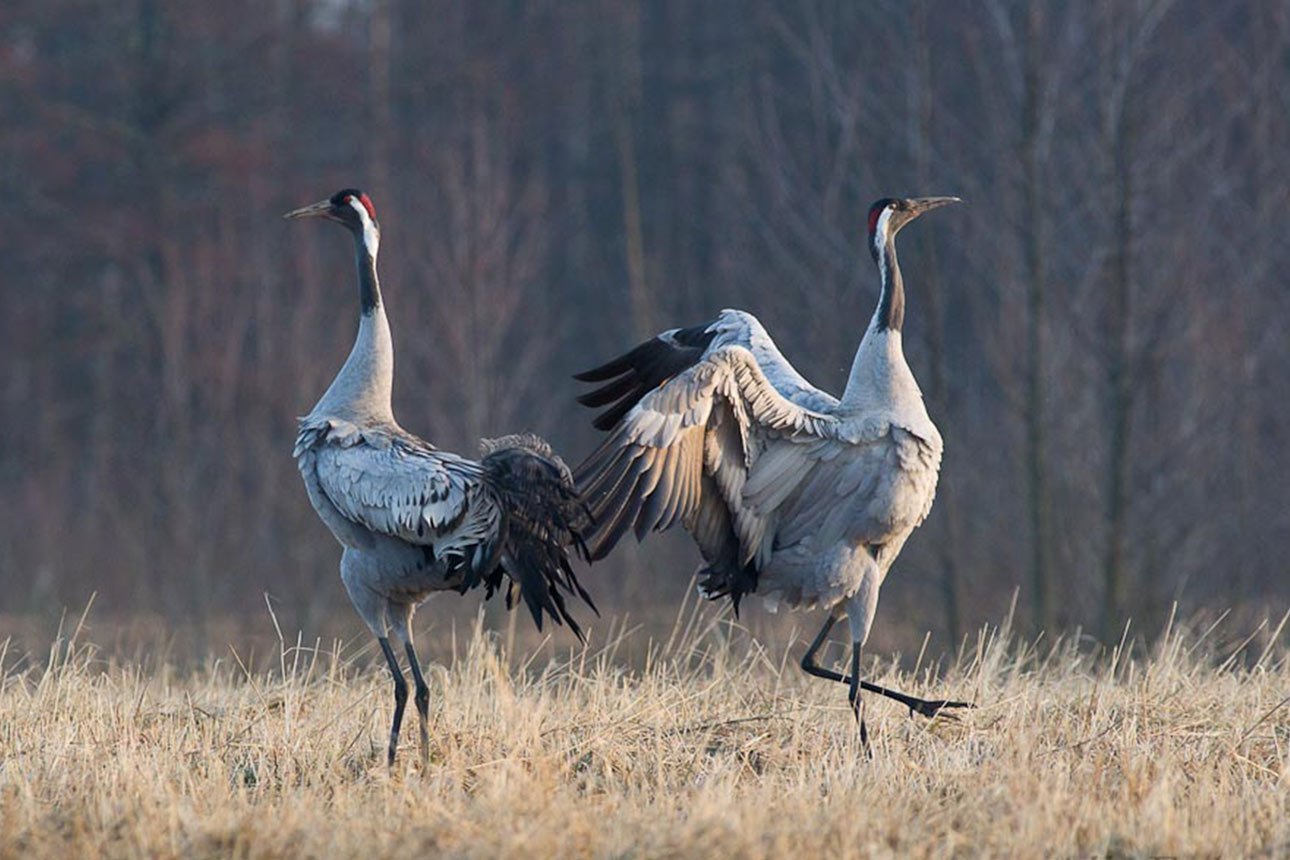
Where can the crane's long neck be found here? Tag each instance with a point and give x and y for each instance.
(361, 391)
(880, 377)
(366, 246)
(890, 314)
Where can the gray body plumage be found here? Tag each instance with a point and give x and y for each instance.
(791, 493)
(414, 520)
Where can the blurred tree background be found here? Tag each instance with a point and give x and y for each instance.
(1100, 332)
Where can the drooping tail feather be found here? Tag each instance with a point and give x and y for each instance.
(543, 516)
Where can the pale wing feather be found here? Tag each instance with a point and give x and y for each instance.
(730, 377)
(712, 418)
(709, 523)
(776, 475)
(741, 328)
(724, 473)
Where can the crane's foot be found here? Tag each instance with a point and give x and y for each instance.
(925, 707)
(933, 708)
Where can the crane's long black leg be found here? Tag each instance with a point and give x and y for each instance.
(809, 666)
(400, 696)
(422, 700)
(925, 707)
(857, 702)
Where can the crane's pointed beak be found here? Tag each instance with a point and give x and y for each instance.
(321, 209)
(927, 204)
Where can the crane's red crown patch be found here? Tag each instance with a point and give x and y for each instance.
(345, 195)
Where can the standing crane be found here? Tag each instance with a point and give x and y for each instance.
(414, 520)
(790, 493)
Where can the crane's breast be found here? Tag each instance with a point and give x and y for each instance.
(847, 493)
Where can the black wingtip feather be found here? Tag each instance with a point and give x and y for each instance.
(614, 367)
(695, 338)
(610, 392)
(602, 373)
(643, 368)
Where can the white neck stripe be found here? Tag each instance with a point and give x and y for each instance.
(880, 240)
(371, 235)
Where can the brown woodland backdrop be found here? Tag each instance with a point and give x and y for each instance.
(1100, 332)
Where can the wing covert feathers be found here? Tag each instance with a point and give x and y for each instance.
(514, 514)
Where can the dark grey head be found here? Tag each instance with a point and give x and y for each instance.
(349, 207)
(888, 215)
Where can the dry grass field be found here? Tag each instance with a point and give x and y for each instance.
(711, 746)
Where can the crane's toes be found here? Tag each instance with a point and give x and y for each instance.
(935, 707)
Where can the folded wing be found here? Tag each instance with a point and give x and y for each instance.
(514, 514)
(396, 485)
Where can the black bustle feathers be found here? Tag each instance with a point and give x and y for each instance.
(542, 517)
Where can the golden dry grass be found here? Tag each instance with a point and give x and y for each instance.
(714, 748)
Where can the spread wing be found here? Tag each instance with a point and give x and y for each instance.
(744, 329)
(690, 412)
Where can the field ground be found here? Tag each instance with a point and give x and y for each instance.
(712, 746)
